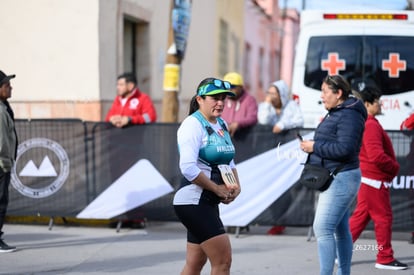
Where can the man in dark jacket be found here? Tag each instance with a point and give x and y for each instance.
(8, 148)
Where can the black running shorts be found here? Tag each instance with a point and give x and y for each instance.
(202, 221)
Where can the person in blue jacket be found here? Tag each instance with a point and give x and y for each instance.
(210, 177)
(336, 143)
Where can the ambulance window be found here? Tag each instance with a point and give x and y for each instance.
(340, 54)
(386, 60)
(394, 63)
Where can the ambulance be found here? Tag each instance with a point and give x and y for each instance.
(367, 48)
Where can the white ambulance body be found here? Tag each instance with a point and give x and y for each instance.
(365, 48)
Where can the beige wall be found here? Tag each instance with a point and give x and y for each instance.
(232, 11)
(201, 58)
(156, 14)
(68, 53)
(53, 49)
(152, 14)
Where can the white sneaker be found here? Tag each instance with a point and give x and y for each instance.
(5, 248)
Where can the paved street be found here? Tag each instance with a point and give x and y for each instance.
(160, 249)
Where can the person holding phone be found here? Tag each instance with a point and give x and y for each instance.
(337, 142)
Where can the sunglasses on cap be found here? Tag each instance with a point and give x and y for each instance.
(332, 80)
(216, 86)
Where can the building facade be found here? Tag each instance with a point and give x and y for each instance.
(67, 54)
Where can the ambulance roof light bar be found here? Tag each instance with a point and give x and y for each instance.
(364, 16)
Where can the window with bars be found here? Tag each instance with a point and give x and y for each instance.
(223, 47)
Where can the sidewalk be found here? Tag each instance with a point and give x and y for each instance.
(159, 249)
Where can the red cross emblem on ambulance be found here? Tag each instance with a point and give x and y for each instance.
(394, 65)
(333, 64)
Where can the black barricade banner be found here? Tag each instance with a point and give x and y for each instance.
(402, 187)
(49, 178)
(63, 165)
(115, 150)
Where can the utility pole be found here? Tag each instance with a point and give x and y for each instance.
(177, 36)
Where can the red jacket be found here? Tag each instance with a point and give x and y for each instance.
(243, 110)
(377, 157)
(408, 123)
(138, 107)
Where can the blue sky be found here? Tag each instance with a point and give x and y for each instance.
(346, 4)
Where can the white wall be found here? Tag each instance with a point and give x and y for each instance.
(52, 47)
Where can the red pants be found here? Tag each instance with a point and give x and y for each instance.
(374, 204)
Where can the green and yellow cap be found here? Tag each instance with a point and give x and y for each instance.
(214, 87)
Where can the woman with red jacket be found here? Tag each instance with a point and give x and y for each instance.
(379, 166)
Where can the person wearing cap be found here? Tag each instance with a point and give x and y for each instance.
(8, 149)
(239, 111)
(279, 110)
(379, 166)
(209, 178)
(131, 106)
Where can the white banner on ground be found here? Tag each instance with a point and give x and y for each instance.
(263, 179)
(138, 185)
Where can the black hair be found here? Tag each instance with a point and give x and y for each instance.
(336, 83)
(368, 94)
(129, 78)
(193, 103)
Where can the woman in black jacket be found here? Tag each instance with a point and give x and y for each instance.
(337, 143)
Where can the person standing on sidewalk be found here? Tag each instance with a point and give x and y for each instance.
(8, 150)
(210, 177)
(336, 143)
(379, 166)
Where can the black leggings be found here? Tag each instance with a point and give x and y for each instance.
(4, 196)
(202, 221)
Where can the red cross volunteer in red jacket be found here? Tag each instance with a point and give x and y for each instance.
(131, 106)
(379, 166)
